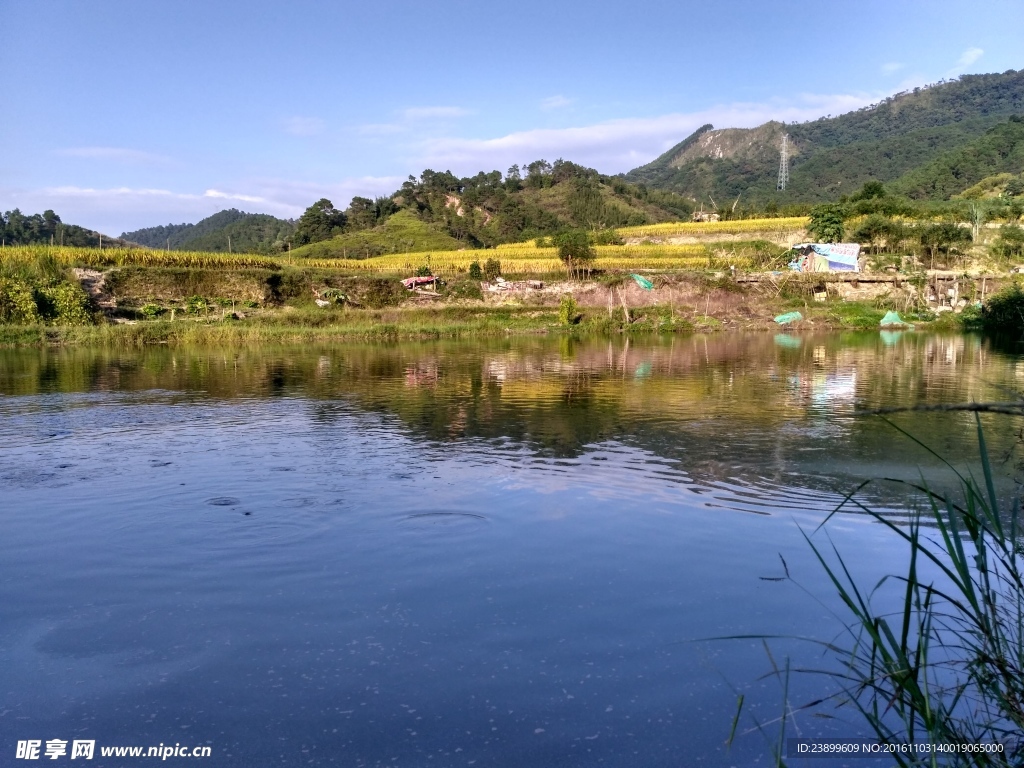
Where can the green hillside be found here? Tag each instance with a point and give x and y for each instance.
(999, 151)
(399, 233)
(837, 155)
(439, 211)
(226, 230)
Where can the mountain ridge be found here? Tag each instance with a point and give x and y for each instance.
(886, 140)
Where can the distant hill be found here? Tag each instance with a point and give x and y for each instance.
(899, 137)
(17, 228)
(227, 230)
(440, 211)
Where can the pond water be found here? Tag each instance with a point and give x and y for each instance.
(501, 553)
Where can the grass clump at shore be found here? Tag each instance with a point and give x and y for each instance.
(943, 673)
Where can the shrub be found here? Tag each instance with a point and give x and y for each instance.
(1011, 241)
(575, 251)
(1003, 313)
(151, 311)
(17, 303)
(492, 268)
(827, 222)
(475, 272)
(608, 237)
(69, 304)
(568, 310)
(196, 305)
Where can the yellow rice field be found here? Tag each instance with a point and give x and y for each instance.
(695, 228)
(515, 258)
(525, 258)
(124, 257)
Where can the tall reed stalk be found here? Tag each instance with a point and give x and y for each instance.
(946, 669)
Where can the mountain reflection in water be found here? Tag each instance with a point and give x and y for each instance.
(492, 553)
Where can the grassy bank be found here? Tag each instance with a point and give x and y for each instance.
(61, 298)
(292, 327)
(314, 325)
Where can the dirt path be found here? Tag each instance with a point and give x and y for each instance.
(95, 284)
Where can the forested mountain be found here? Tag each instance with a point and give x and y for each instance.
(17, 228)
(894, 140)
(439, 210)
(227, 230)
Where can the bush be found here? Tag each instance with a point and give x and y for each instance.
(196, 305)
(568, 310)
(608, 237)
(69, 304)
(1011, 241)
(475, 272)
(827, 222)
(151, 311)
(17, 303)
(492, 268)
(1003, 313)
(575, 251)
(60, 303)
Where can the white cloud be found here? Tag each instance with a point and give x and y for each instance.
(620, 145)
(891, 67)
(411, 119)
(228, 196)
(434, 113)
(114, 154)
(968, 57)
(304, 126)
(555, 102)
(123, 209)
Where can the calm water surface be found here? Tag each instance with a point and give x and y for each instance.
(490, 554)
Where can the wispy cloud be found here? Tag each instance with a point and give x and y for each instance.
(304, 126)
(892, 67)
(619, 145)
(413, 118)
(217, 194)
(114, 155)
(555, 102)
(434, 113)
(969, 56)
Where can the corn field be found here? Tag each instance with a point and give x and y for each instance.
(737, 227)
(515, 259)
(128, 257)
(526, 258)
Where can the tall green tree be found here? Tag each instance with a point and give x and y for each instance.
(827, 222)
(321, 221)
(575, 251)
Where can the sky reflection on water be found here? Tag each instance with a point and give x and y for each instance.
(457, 553)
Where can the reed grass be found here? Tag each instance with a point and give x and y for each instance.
(944, 672)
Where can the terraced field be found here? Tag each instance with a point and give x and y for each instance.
(515, 258)
(123, 257)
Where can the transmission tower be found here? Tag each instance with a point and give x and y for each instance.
(783, 163)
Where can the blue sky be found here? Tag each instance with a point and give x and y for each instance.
(120, 114)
